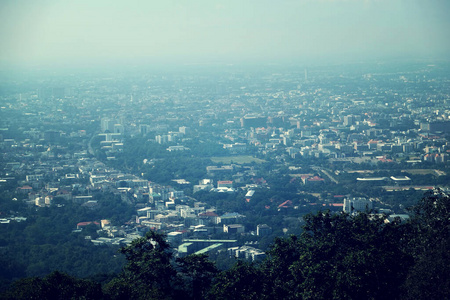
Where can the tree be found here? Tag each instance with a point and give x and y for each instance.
(430, 241)
(148, 274)
(279, 279)
(242, 281)
(346, 257)
(54, 286)
(338, 256)
(195, 273)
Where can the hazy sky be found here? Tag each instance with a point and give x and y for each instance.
(195, 31)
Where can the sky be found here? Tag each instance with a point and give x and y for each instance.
(40, 32)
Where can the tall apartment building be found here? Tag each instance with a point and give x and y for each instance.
(357, 204)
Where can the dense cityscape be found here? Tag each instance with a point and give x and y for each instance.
(221, 159)
(224, 150)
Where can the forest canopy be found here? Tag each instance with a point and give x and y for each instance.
(337, 256)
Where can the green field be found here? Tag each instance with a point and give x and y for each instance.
(241, 159)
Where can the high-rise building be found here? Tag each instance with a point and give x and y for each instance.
(263, 230)
(435, 126)
(143, 129)
(107, 125)
(349, 120)
(184, 130)
(119, 128)
(162, 139)
(357, 204)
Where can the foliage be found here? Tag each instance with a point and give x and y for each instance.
(148, 273)
(337, 256)
(242, 281)
(54, 286)
(45, 242)
(430, 241)
(195, 274)
(351, 258)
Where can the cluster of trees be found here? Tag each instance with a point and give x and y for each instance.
(165, 165)
(46, 241)
(337, 256)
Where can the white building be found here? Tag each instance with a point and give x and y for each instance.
(357, 204)
(107, 125)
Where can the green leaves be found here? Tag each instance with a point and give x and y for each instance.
(54, 286)
(337, 256)
(149, 273)
(243, 281)
(429, 244)
(195, 274)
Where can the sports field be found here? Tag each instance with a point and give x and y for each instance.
(424, 172)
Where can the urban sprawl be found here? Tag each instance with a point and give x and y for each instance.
(221, 157)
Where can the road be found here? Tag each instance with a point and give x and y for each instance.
(90, 149)
(329, 176)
